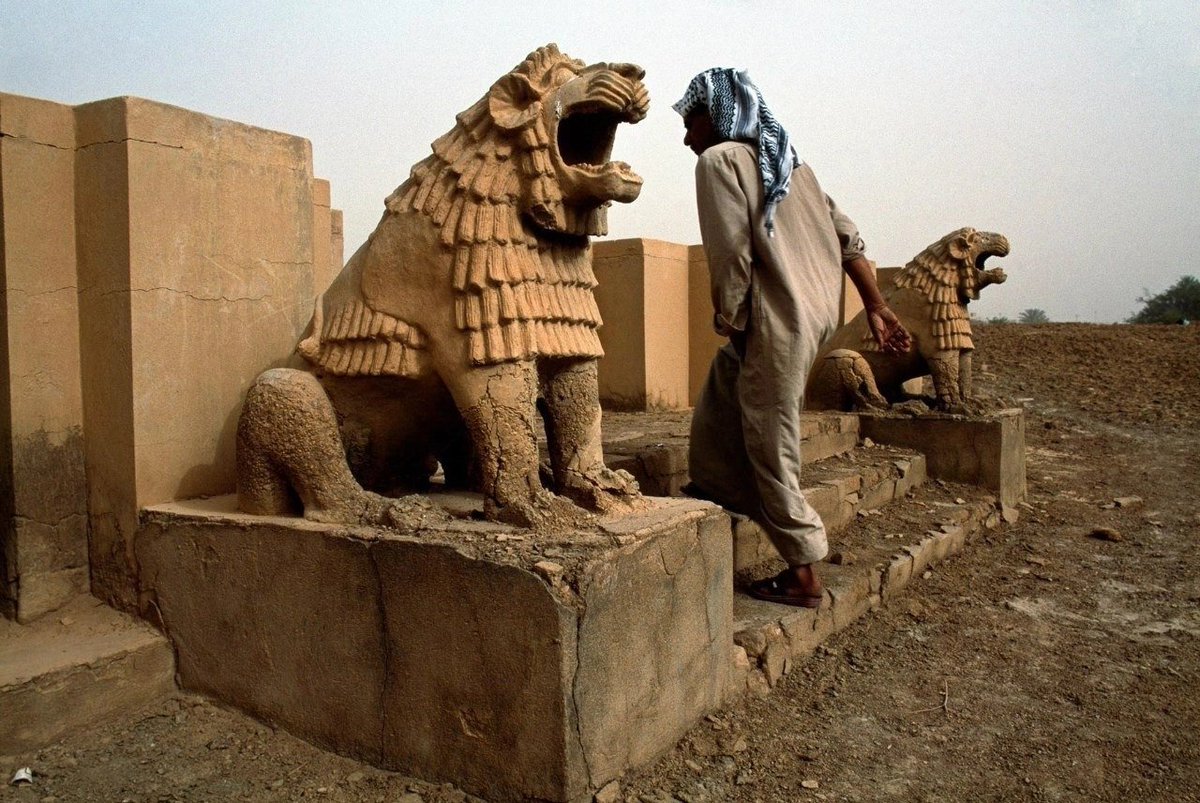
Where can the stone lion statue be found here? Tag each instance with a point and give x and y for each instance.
(466, 315)
(930, 295)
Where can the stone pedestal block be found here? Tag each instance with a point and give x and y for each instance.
(988, 451)
(513, 664)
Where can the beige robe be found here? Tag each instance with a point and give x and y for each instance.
(781, 294)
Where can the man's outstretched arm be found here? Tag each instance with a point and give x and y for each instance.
(889, 333)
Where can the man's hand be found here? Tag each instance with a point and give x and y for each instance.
(887, 330)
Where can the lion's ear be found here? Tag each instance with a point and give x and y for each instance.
(513, 102)
(960, 246)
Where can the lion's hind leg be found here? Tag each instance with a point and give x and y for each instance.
(845, 381)
(290, 454)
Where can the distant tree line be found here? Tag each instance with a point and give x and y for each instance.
(1177, 304)
(1032, 315)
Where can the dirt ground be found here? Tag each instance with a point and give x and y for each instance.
(1044, 663)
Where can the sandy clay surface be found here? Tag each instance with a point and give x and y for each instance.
(1044, 663)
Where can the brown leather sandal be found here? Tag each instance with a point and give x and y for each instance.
(781, 589)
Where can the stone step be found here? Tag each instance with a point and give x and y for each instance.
(81, 665)
(840, 488)
(653, 447)
(880, 556)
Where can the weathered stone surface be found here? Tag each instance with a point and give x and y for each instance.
(852, 591)
(479, 668)
(897, 575)
(76, 669)
(446, 652)
(280, 618)
(666, 601)
(988, 451)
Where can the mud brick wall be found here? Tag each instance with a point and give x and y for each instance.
(43, 493)
(153, 261)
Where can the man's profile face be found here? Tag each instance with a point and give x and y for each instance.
(700, 134)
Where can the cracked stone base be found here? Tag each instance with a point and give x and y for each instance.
(988, 451)
(513, 664)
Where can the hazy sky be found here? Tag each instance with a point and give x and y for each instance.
(1071, 127)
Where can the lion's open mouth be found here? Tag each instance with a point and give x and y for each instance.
(585, 138)
(585, 134)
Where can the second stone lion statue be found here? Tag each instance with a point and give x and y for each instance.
(466, 313)
(930, 294)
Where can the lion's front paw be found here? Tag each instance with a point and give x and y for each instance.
(541, 510)
(600, 489)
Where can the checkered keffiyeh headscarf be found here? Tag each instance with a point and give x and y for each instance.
(738, 112)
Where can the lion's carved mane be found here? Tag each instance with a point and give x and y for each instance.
(946, 280)
(521, 267)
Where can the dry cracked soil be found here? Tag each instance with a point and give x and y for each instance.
(1057, 658)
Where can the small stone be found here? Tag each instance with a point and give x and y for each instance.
(356, 776)
(739, 745)
(609, 793)
(1127, 501)
(926, 574)
(844, 558)
(743, 778)
(867, 443)
(810, 783)
(277, 783)
(1106, 534)
(66, 621)
(694, 766)
(321, 790)
(548, 569)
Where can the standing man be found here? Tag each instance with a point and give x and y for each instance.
(776, 246)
